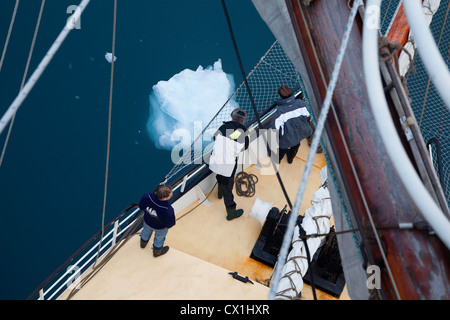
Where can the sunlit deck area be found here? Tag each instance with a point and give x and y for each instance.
(205, 248)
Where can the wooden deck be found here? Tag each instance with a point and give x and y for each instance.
(204, 248)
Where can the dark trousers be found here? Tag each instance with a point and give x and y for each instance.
(291, 152)
(227, 184)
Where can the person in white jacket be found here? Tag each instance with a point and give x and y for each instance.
(230, 139)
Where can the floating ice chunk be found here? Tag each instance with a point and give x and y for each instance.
(187, 99)
(108, 57)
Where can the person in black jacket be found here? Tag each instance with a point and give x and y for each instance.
(159, 217)
(230, 139)
(291, 119)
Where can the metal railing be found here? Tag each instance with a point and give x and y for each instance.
(68, 275)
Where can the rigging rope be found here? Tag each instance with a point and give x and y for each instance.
(315, 142)
(260, 126)
(252, 100)
(30, 54)
(105, 193)
(8, 36)
(15, 105)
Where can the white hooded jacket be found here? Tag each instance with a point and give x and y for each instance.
(229, 142)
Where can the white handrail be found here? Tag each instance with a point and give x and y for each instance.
(428, 50)
(408, 175)
(94, 247)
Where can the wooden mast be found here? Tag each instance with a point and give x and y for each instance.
(399, 31)
(418, 260)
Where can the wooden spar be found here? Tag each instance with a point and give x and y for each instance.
(419, 262)
(399, 31)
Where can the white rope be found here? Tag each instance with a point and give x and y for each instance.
(41, 67)
(8, 36)
(30, 54)
(314, 145)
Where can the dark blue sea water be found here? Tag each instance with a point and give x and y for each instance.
(52, 177)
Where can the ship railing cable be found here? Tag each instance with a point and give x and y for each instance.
(30, 54)
(23, 94)
(105, 192)
(313, 149)
(8, 36)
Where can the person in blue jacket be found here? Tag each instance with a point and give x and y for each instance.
(291, 120)
(159, 217)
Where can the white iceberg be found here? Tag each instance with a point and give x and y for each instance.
(187, 100)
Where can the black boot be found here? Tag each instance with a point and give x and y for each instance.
(290, 159)
(292, 153)
(160, 252)
(143, 243)
(232, 213)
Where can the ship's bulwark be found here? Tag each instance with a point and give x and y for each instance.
(419, 262)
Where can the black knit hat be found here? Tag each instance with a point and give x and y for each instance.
(239, 115)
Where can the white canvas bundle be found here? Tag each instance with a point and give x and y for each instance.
(315, 221)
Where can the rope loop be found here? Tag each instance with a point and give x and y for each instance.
(245, 184)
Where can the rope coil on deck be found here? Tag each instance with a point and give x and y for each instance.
(245, 184)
